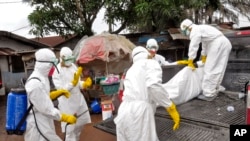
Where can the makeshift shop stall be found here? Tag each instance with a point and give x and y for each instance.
(107, 56)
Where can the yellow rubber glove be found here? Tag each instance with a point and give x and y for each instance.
(87, 83)
(182, 62)
(55, 94)
(191, 64)
(77, 75)
(174, 115)
(203, 59)
(71, 119)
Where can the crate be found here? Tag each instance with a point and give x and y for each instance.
(110, 89)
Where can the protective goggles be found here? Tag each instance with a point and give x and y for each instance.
(54, 62)
(152, 48)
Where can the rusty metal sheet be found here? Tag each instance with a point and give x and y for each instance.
(6, 51)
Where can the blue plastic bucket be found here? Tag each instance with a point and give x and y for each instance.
(95, 107)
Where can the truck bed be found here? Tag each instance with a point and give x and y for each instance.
(200, 120)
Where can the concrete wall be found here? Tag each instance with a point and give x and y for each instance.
(12, 80)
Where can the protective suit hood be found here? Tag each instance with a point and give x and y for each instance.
(45, 58)
(186, 24)
(152, 43)
(65, 51)
(66, 56)
(139, 53)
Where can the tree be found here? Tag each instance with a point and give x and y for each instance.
(121, 11)
(64, 17)
(158, 15)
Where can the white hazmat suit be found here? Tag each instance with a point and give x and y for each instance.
(142, 90)
(38, 91)
(215, 47)
(152, 46)
(76, 104)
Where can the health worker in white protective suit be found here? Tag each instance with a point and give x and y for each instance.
(152, 46)
(69, 78)
(143, 88)
(40, 121)
(215, 53)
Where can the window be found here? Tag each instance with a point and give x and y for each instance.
(17, 64)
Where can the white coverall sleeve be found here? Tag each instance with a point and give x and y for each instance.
(58, 82)
(154, 84)
(166, 63)
(40, 99)
(163, 61)
(204, 47)
(195, 40)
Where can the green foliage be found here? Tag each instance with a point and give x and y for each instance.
(157, 15)
(65, 17)
(120, 11)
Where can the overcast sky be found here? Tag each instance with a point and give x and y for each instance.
(13, 18)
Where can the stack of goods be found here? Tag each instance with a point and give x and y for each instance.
(110, 84)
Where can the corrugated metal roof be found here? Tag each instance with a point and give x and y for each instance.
(53, 41)
(6, 52)
(175, 34)
(24, 40)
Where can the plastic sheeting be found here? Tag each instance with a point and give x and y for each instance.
(185, 85)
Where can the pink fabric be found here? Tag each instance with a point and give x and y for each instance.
(104, 52)
(93, 49)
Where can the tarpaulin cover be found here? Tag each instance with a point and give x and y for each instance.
(104, 52)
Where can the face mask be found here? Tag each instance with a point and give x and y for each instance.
(187, 32)
(68, 60)
(67, 63)
(152, 52)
